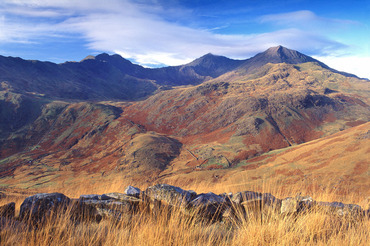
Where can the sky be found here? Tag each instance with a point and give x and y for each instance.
(157, 33)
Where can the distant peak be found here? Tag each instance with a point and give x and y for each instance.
(102, 56)
(279, 50)
(209, 54)
(280, 54)
(89, 57)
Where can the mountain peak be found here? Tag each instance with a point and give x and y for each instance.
(277, 54)
(280, 54)
(89, 57)
(213, 65)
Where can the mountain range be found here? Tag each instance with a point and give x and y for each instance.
(111, 77)
(104, 118)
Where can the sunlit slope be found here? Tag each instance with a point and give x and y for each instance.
(277, 106)
(338, 163)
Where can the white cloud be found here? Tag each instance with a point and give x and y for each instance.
(356, 65)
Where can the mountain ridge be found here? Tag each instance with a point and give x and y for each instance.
(112, 77)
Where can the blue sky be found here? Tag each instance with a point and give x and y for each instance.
(173, 32)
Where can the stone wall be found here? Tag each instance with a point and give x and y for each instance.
(207, 206)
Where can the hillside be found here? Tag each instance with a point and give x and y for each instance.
(221, 129)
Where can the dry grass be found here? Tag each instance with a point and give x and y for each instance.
(175, 228)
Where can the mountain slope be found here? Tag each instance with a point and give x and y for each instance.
(337, 164)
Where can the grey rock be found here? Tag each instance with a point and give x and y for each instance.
(91, 196)
(240, 197)
(255, 201)
(42, 205)
(193, 193)
(114, 206)
(291, 205)
(170, 195)
(114, 195)
(132, 191)
(209, 205)
(341, 209)
(8, 210)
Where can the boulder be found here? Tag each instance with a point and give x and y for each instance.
(240, 197)
(89, 197)
(116, 206)
(341, 209)
(293, 205)
(169, 195)
(210, 206)
(256, 202)
(40, 206)
(8, 210)
(289, 205)
(132, 191)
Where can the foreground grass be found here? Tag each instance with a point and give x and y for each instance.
(268, 228)
(314, 228)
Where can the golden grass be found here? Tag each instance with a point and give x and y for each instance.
(175, 228)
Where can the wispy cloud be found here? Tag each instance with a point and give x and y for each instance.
(151, 35)
(303, 17)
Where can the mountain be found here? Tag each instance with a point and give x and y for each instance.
(111, 77)
(202, 69)
(278, 105)
(231, 114)
(90, 79)
(277, 54)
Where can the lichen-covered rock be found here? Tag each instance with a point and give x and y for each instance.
(115, 196)
(210, 205)
(90, 196)
(132, 191)
(7, 210)
(240, 197)
(114, 206)
(292, 205)
(289, 205)
(256, 202)
(169, 195)
(40, 206)
(341, 209)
